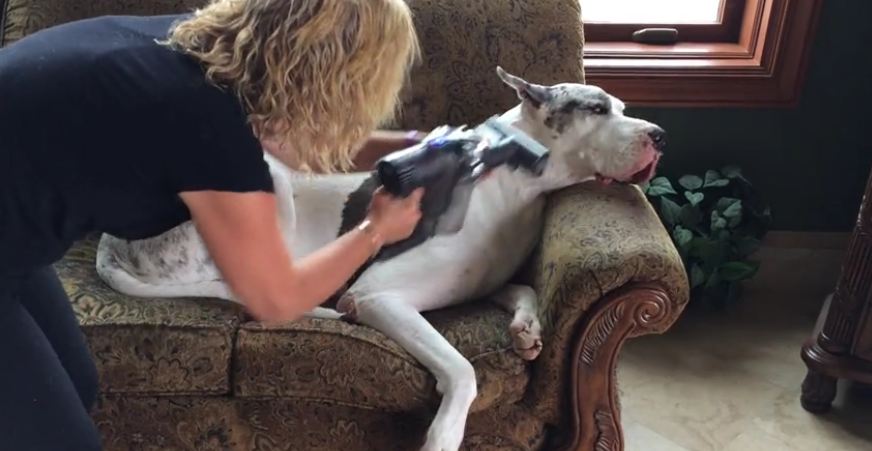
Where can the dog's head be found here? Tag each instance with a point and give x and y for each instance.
(587, 132)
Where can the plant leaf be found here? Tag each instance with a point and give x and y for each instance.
(718, 222)
(713, 179)
(694, 198)
(708, 251)
(731, 172)
(734, 221)
(713, 280)
(733, 210)
(725, 203)
(690, 216)
(736, 271)
(670, 211)
(682, 236)
(697, 276)
(690, 182)
(660, 186)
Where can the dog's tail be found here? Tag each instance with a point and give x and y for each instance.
(111, 269)
(110, 265)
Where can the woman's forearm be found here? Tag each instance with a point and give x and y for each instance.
(321, 274)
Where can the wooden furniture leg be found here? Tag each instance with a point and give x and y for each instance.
(841, 346)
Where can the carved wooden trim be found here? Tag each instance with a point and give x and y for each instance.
(854, 285)
(639, 309)
(840, 345)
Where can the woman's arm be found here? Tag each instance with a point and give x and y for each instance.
(242, 234)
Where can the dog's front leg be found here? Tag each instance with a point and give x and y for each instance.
(455, 376)
(526, 330)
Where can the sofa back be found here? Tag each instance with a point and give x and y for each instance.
(462, 41)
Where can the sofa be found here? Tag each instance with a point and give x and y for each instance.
(198, 374)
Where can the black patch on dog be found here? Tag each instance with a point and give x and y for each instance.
(436, 201)
(353, 213)
(558, 120)
(357, 205)
(561, 115)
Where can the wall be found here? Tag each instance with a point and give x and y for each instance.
(810, 162)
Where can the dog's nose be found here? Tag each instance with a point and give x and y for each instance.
(658, 137)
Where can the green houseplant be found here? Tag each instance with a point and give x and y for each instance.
(717, 222)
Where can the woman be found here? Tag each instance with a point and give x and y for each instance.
(133, 125)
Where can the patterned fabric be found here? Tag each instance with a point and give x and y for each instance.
(24, 17)
(217, 423)
(158, 346)
(358, 366)
(462, 41)
(596, 239)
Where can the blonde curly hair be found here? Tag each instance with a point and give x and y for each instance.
(315, 76)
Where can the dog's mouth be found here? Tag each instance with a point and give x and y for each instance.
(643, 175)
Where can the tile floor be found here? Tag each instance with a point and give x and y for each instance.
(731, 380)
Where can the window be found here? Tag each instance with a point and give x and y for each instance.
(647, 11)
(715, 52)
(695, 20)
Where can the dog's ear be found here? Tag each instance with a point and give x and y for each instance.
(536, 95)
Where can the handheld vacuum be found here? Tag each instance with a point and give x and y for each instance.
(447, 163)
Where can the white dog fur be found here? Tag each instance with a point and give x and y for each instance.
(589, 138)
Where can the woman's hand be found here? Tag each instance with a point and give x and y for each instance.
(395, 218)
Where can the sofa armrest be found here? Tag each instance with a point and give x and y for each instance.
(601, 245)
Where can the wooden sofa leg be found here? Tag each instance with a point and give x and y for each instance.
(639, 309)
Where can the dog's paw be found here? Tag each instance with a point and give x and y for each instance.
(526, 335)
(347, 308)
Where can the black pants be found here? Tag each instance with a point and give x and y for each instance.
(48, 381)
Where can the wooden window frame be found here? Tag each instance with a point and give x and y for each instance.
(763, 66)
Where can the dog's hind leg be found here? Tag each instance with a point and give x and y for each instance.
(455, 376)
(526, 330)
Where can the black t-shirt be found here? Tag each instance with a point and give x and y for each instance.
(101, 127)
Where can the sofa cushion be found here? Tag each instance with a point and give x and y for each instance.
(354, 365)
(462, 43)
(220, 423)
(157, 346)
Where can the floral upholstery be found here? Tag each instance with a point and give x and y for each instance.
(217, 423)
(186, 374)
(358, 366)
(155, 346)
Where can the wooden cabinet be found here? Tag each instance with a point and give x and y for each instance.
(841, 347)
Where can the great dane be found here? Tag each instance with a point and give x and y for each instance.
(589, 137)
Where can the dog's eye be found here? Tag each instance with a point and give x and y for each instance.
(599, 109)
